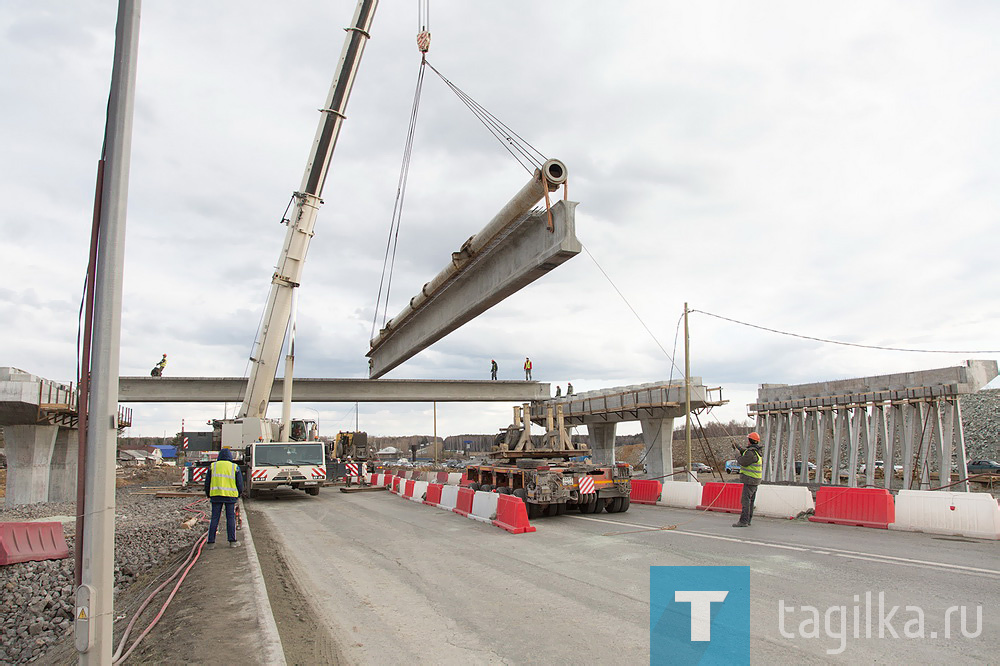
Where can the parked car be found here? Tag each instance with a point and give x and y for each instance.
(698, 468)
(984, 467)
(732, 467)
(798, 466)
(878, 465)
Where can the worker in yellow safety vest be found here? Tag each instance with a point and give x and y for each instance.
(527, 369)
(751, 470)
(223, 486)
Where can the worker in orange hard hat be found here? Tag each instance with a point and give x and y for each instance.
(493, 369)
(157, 370)
(751, 465)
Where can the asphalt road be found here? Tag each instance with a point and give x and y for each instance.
(395, 580)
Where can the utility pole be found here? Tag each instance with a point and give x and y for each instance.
(687, 390)
(94, 607)
(435, 432)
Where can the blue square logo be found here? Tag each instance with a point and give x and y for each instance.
(698, 615)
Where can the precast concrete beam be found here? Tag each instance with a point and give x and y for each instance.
(658, 434)
(29, 454)
(630, 403)
(230, 389)
(521, 254)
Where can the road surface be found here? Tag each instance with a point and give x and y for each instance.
(393, 579)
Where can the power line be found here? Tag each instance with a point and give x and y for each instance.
(850, 344)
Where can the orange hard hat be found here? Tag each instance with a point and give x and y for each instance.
(753, 437)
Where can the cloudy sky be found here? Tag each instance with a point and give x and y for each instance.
(824, 168)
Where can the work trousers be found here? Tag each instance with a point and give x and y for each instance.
(493, 374)
(527, 374)
(747, 500)
(213, 525)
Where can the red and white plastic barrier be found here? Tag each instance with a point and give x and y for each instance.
(484, 507)
(449, 498)
(721, 497)
(681, 494)
(862, 507)
(782, 501)
(419, 488)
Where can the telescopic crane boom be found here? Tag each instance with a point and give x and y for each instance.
(302, 220)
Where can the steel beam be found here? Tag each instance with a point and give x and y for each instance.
(230, 389)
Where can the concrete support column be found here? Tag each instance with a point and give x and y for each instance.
(29, 453)
(64, 465)
(658, 434)
(602, 441)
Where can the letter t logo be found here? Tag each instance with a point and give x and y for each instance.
(701, 610)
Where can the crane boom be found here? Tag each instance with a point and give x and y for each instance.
(302, 220)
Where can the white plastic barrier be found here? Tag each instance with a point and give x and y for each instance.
(782, 501)
(454, 478)
(449, 497)
(940, 512)
(683, 494)
(484, 506)
(419, 488)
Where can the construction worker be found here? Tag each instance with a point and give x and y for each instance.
(527, 369)
(493, 369)
(158, 368)
(569, 388)
(223, 485)
(751, 465)
(558, 391)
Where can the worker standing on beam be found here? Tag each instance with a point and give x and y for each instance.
(158, 368)
(223, 485)
(527, 369)
(493, 369)
(751, 465)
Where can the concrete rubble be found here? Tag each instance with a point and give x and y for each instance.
(37, 597)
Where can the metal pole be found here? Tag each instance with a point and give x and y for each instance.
(357, 419)
(687, 390)
(435, 432)
(94, 611)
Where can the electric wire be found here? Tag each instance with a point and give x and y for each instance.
(849, 344)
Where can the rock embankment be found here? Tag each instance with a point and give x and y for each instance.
(981, 424)
(37, 597)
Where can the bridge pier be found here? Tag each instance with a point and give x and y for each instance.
(29, 455)
(602, 441)
(64, 466)
(658, 434)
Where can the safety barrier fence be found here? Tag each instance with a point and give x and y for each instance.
(975, 515)
(504, 511)
(32, 542)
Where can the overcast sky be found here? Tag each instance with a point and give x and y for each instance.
(826, 168)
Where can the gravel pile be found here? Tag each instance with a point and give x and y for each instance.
(981, 424)
(37, 597)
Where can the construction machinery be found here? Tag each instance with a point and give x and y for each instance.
(542, 471)
(272, 455)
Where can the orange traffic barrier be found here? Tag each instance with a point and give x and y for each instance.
(512, 515)
(464, 504)
(32, 542)
(433, 494)
(718, 496)
(861, 507)
(645, 491)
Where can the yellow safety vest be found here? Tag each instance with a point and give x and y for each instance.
(755, 470)
(223, 479)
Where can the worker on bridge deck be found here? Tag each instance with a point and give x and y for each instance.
(751, 465)
(493, 369)
(223, 485)
(157, 370)
(527, 369)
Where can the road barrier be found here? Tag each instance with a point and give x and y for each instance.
(455, 478)
(681, 494)
(463, 506)
(645, 491)
(725, 497)
(396, 482)
(465, 480)
(441, 477)
(512, 515)
(941, 512)
(782, 501)
(32, 542)
(419, 488)
(861, 507)
(449, 498)
(433, 497)
(484, 506)
(408, 489)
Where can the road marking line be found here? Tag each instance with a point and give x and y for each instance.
(834, 551)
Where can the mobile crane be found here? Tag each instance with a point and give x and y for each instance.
(271, 454)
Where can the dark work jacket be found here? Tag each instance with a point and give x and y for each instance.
(748, 456)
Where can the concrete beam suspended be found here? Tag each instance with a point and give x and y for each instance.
(231, 389)
(516, 248)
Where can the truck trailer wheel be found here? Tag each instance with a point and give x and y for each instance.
(614, 505)
(625, 502)
(486, 487)
(312, 491)
(522, 493)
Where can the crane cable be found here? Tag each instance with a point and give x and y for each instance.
(529, 157)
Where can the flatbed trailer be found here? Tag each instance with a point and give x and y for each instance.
(551, 487)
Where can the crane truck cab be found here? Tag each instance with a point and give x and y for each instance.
(269, 462)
